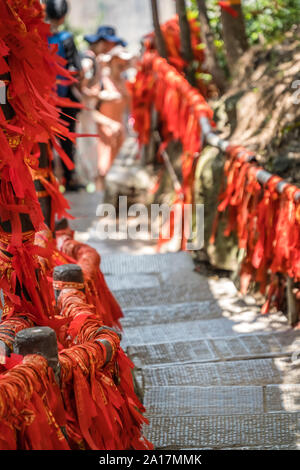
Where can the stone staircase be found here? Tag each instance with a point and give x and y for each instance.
(212, 372)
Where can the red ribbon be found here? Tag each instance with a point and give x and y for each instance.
(227, 7)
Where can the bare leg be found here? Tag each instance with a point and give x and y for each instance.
(100, 183)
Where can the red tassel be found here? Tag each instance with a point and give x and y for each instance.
(227, 7)
(12, 361)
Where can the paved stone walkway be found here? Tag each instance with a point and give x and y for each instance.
(212, 372)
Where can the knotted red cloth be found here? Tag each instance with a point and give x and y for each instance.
(31, 99)
(227, 6)
(171, 33)
(31, 408)
(267, 225)
(102, 409)
(97, 291)
(180, 107)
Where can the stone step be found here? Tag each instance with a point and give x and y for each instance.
(294, 446)
(173, 280)
(284, 397)
(211, 371)
(163, 295)
(178, 352)
(221, 400)
(246, 372)
(121, 264)
(131, 281)
(218, 286)
(247, 318)
(255, 345)
(143, 316)
(195, 329)
(185, 330)
(271, 430)
(218, 349)
(203, 401)
(119, 282)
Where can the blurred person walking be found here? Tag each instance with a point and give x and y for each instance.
(100, 43)
(110, 113)
(56, 11)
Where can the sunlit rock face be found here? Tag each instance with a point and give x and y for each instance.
(131, 17)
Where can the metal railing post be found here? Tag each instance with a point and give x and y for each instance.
(42, 341)
(211, 138)
(292, 303)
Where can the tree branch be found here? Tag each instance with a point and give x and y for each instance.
(185, 39)
(159, 38)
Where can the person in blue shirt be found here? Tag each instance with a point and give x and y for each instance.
(56, 11)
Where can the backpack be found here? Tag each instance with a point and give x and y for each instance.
(60, 39)
(92, 58)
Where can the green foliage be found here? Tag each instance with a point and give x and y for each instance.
(266, 20)
(78, 35)
(205, 77)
